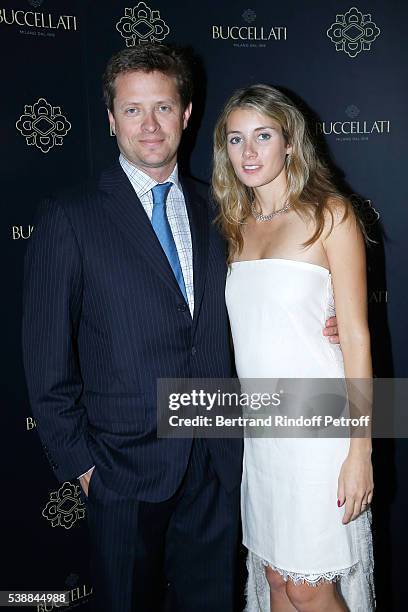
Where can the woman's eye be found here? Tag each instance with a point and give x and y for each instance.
(264, 136)
(235, 140)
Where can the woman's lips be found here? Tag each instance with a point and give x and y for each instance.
(251, 168)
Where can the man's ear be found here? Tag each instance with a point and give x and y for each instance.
(186, 115)
(111, 122)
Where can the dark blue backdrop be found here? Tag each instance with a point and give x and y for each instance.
(344, 62)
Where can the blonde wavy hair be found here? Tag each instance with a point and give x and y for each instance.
(310, 189)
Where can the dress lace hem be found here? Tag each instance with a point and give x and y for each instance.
(311, 579)
(257, 591)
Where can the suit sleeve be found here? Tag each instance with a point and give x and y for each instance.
(52, 298)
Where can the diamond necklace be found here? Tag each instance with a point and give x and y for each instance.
(261, 217)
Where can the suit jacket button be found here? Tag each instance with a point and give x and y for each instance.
(182, 307)
(193, 350)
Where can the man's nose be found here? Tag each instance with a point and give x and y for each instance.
(150, 123)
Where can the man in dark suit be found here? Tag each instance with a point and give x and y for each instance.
(124, 284)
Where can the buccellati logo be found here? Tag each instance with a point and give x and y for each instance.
(79, 593)
(36, 23)
(249, 16)
(352, 111)
(30, 423)
(43, 125)
(21, 232)
(353, 32)
(71, 580)
(249, 35)
(141, 25)
(356, 129)
(378, 296)
(65, 506)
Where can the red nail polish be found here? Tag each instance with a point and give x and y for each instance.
(338, 503)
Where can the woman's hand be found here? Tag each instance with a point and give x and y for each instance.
(356, 485)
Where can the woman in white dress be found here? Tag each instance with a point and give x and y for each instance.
(295, 244)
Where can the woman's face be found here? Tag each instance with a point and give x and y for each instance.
(256, 147)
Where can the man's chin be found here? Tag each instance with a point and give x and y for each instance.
(154, 162)
(161, 164)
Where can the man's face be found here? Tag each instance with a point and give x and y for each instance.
(148, 119)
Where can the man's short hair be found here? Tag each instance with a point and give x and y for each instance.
(171, 61)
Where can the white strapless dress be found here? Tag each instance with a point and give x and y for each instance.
(290, 518)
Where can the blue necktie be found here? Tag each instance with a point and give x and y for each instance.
(163, 231)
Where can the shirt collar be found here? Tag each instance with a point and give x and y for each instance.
(142, 182)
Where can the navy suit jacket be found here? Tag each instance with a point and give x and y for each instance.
(103, 319)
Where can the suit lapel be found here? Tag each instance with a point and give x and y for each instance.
(197, 209)
(127, 212)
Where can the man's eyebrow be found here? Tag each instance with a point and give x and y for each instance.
(164, 101)
(129, 102)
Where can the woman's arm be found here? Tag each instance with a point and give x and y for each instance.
(346, 255)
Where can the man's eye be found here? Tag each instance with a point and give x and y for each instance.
(264, 136)
(131, 111)
(164, 108)
(235, 140)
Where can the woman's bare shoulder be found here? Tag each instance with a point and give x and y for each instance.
(339, 215)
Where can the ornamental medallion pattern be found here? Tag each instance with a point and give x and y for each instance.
(141, 25)
(43, 125)
(353, 32)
